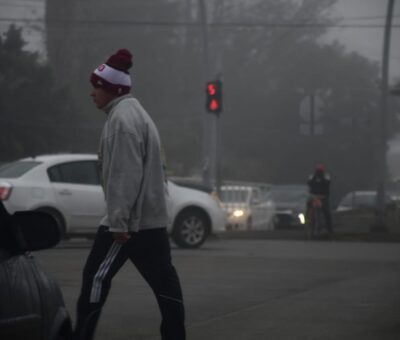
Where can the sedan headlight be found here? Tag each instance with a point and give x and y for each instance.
(302, 218)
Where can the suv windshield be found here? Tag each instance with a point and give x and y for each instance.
(234, 196)
(17, 169)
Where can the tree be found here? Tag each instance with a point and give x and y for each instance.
(36, 115)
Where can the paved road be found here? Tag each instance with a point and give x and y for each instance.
(256, 290)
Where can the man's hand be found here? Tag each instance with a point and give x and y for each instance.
(121, 238)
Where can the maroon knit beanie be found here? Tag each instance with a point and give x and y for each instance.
(113, 76)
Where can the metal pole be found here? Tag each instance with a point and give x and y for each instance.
(312, 114)
(207, 161)
(380, 223)
(218, 155)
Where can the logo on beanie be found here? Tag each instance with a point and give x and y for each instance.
(113, 75)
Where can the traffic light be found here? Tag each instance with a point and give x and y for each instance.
(214, 96)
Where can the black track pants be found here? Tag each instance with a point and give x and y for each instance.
(150, 252)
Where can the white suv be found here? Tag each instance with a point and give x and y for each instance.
(247, 208)
(67, 186)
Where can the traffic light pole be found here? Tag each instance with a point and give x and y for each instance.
(206, 166)
(211, 129)
(218, 154)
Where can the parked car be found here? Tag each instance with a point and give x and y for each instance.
(32, 306)
(247, 207)
(290, 204)
(67, 187)
(357, 210)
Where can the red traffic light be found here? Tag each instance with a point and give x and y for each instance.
(214, 105)
(211, 89)
(214, 96)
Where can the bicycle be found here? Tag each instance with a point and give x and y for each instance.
(315, 219)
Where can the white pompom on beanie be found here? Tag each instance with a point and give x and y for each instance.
(113, 76)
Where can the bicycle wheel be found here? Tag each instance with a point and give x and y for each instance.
(309, 225)
(317, 224)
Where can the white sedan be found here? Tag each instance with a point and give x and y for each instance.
(67, 186)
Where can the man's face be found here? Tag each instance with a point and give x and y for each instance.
(101, 97)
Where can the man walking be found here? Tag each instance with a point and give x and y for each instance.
(134, 185)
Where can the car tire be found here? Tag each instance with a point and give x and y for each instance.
(191, 228)
(59, 219)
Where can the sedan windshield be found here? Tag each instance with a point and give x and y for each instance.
(17, 169)
(362, 199)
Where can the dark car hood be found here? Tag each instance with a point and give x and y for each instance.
(290, 206)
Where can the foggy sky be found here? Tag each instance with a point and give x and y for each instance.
(366, 41)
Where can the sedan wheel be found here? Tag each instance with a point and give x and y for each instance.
(59, 219)
(191, 229)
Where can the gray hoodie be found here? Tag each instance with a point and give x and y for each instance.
(131, 168)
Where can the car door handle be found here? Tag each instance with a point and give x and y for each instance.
(65, 192)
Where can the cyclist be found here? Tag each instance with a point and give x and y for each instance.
(319, 185)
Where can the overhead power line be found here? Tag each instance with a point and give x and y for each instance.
(373, 17)
(23, 2)
(198, 24)
(30, 6)
(221, 24)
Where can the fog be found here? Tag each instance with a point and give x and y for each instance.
(272, 57)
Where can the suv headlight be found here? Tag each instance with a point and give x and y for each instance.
(238, 213)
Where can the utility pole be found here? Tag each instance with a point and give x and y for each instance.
(380, 223)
